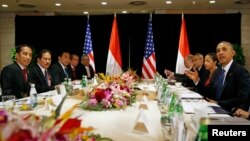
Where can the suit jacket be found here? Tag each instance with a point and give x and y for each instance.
(81, 70)
(12, 81)
(203, 73)
(186, 81)
(236, 88)
(37, 77)
(208, 90)
(58, 75)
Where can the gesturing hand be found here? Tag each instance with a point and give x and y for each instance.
(194, 75)
(168, 72)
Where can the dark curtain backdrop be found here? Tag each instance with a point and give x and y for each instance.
(58, 33)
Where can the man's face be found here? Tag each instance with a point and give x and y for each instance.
(198, 61)
(188, 63)
(64, 58)
(224, 53)
(74, 60)
(24, 57)
(45, 60)
(85, 60)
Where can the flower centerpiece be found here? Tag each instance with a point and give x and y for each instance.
(30, 127)
(114, 92)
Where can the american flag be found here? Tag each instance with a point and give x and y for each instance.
(149, 64)
(88, 46)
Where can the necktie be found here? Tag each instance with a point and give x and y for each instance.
(220, 83)
(65, 72)
(47, 77)
(74, 72)
(25, 74)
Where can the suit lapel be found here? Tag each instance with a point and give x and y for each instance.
(41, 75)
(24, 84)
(61, 69)
(20, 71)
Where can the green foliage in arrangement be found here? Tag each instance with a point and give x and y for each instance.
(239, 56)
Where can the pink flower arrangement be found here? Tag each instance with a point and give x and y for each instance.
(115, 94)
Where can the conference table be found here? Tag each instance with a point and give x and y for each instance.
(120, 125)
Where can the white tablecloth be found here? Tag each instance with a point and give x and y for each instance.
(117, 125)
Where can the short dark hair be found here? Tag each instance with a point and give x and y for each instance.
(62, 52)
(213, 56)
(19, 47)
(73, 54)
(40, 54)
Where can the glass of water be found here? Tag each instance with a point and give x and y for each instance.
(8, 102)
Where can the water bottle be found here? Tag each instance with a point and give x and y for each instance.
(70, 85)
(33, 96)
(202, 134)
(84, 81)
(95, 82)
(172, 106)
(65, 82)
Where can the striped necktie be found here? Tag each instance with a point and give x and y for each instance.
(47, 77)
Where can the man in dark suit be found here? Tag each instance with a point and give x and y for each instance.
(39, 73)
(186, 82)
(74, 61)
(61, 69)
(85, 68)
(198, 60)
(234, 90)
(14, 77)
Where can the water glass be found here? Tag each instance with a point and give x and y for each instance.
(8, 102)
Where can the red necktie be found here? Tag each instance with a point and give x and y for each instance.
(25, 74)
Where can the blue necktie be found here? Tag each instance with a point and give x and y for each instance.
(220, 83)
(66, 73)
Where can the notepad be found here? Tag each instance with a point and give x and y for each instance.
(219, 110)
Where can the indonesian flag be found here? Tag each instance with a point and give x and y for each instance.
(183, 50)
(114, 61)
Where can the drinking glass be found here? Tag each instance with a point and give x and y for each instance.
(8, 102)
